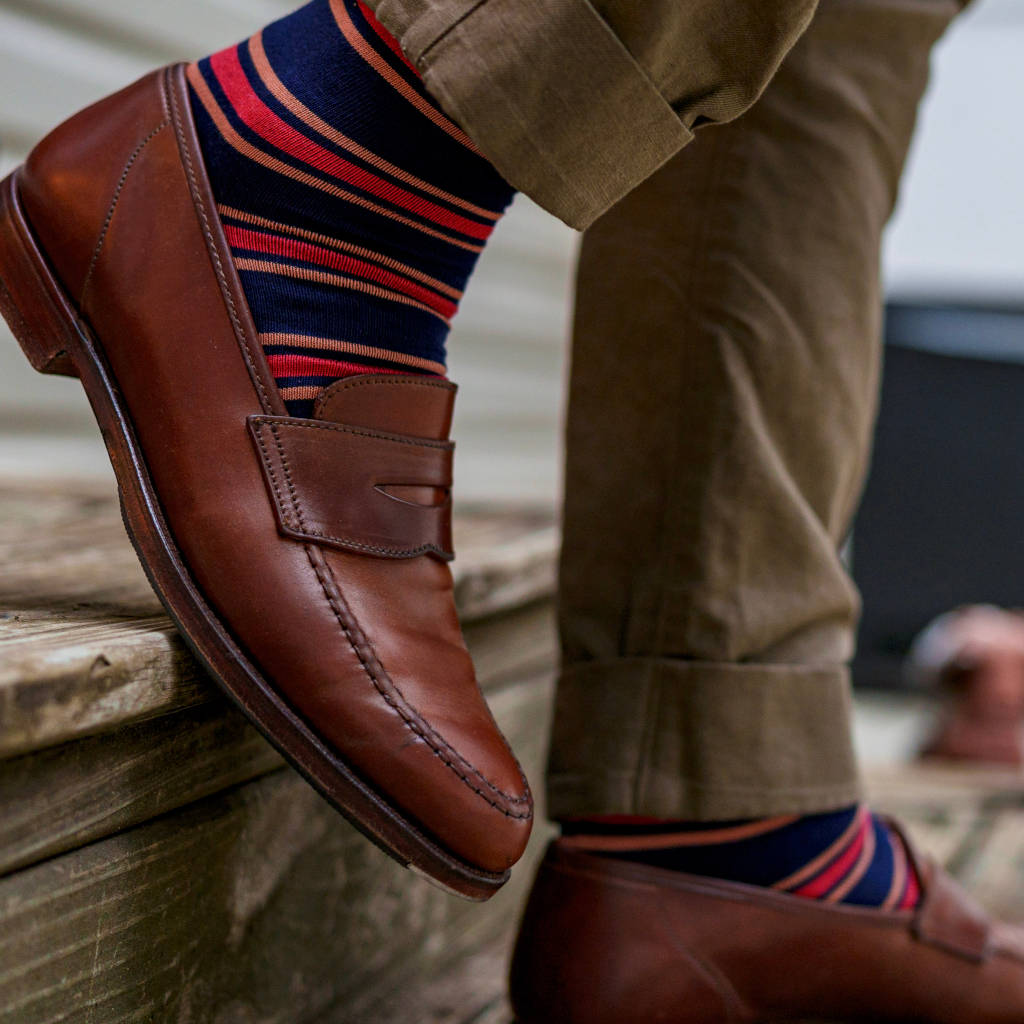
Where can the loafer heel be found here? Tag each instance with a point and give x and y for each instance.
(31, 299)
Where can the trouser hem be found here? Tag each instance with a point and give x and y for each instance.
(701, 741)
(547, 92)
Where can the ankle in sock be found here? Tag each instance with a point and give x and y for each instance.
(354, 208)
(850, 856)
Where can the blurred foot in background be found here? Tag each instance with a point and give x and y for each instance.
(975, 656)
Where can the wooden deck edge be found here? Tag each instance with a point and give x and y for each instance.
(85, 647)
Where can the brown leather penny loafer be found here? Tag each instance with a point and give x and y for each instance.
(605, 941)
(304, 561)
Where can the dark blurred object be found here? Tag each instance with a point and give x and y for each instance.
(975, 655)
(942, 521)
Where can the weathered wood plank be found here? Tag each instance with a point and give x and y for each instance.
(472, 992)
(971, 820)
(255, 905)
(54, 800)
(994, 871)
(66, 796)
(85, 646)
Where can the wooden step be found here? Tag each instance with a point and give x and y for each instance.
(157, 860)
(158, 863)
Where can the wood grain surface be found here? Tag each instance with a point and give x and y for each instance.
(85, 646)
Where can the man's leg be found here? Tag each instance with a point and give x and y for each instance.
(725, 370)
(723, 391)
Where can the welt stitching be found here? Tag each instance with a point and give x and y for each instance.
(432, 739)
(197, 201)
(118, 189)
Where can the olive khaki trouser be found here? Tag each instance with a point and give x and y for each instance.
(725, 364)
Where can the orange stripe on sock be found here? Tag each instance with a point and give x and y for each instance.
(838, 870)
(899, 873)
(248, 105)
(240, 145)
(821, 861)
(287, 99)
(393, 78)
(311, 392)
(351, 348)
(867, 855)
(302, 393)
(305, 252)
(336, 243)
(670, 840)
(322, 277)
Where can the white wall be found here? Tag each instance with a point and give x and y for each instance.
(959, 229)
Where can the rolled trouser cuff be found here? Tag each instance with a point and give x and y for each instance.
(547, 92)
(702, 741)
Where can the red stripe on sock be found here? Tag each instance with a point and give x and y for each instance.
(386, 37)
(912, 893)
(841, 867)
(258, 117)
(294, 364)
(290, 248)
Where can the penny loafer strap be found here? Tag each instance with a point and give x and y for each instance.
(355, 488)
(947, 917)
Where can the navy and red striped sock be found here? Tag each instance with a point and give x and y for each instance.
(849, 856)
(354, 208)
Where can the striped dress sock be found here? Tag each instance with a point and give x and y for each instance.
(850, 856)
(354, 208)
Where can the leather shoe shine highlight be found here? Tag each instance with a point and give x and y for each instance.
(294, 555)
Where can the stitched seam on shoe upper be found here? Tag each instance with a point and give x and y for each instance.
(211, 246)
(308, 531)
(438, 746)
(360, 432)
(119, 188)
(286, 469)
(275, 486)
(347, 383)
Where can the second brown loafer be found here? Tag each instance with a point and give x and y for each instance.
(305, 561)
(606, 941)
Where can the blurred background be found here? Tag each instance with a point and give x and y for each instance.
(943, 508)
(153, 848)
